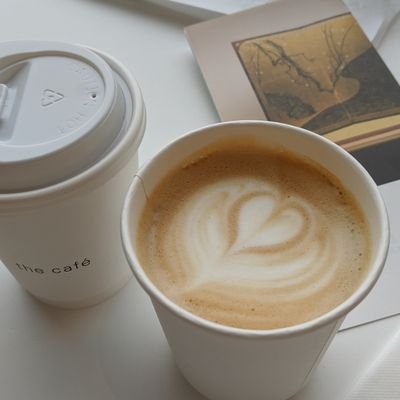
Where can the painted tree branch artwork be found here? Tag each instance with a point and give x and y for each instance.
(325, 77)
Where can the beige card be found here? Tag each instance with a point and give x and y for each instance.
(306, 63)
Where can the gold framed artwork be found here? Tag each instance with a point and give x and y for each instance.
(325, 77)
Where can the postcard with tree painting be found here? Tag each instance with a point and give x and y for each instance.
(309, 64)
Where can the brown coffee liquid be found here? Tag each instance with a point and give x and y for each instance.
(253, 237)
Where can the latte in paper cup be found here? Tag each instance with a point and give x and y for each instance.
(254, 240)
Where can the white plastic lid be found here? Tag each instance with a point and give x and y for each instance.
(61, 107)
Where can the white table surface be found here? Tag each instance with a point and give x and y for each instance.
(116, 350)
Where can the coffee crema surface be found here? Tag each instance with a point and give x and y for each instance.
(253, 237)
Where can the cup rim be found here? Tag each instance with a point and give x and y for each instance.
(332, 315)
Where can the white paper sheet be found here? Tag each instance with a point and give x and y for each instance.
(382, 379)
(375, 24)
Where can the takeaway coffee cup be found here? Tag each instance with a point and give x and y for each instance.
(71, 121)
(224, 362)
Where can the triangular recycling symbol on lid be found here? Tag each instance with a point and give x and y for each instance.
(50, 97)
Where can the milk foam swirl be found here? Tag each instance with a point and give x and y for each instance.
(262, 247)
(245, 231)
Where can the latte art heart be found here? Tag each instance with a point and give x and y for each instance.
(256, 245)
(243, 229)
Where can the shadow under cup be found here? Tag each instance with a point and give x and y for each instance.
(223, 362)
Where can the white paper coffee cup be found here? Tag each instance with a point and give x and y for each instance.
(71, 121)
(224, 362)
